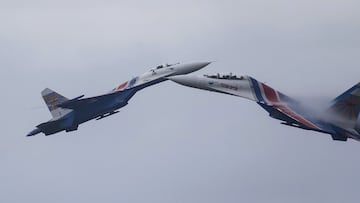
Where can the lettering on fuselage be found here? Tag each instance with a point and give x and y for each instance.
(229, 86)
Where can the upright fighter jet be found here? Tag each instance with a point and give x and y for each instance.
(341, 119)
(69, 114)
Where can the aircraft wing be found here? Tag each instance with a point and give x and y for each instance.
(295, 119)
(291, 117)
(284, 108)
(80, 103)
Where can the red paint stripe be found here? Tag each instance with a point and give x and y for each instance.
(122, 86)
(296, 116)
(270, 93)
(272, 96)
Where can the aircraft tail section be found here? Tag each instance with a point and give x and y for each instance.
(347, 105)
(52, 100)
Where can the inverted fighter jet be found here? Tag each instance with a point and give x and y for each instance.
(69, 114)
(341, 119)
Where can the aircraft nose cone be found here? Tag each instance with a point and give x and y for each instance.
(192, 67)
(199, 65)
(186, 80)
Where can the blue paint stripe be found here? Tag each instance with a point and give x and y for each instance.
(132, 82)
(257, 90)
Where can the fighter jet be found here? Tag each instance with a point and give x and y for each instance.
(69, 114)
(340, 118)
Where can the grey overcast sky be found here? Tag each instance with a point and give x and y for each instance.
(172, 143)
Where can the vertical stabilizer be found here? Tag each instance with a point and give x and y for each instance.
(347, 105)
(52, 100)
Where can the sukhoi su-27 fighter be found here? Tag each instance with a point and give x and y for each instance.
(67, 114)
(341, 119)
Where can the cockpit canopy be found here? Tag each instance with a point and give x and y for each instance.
(164, 66)
(226, 77)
